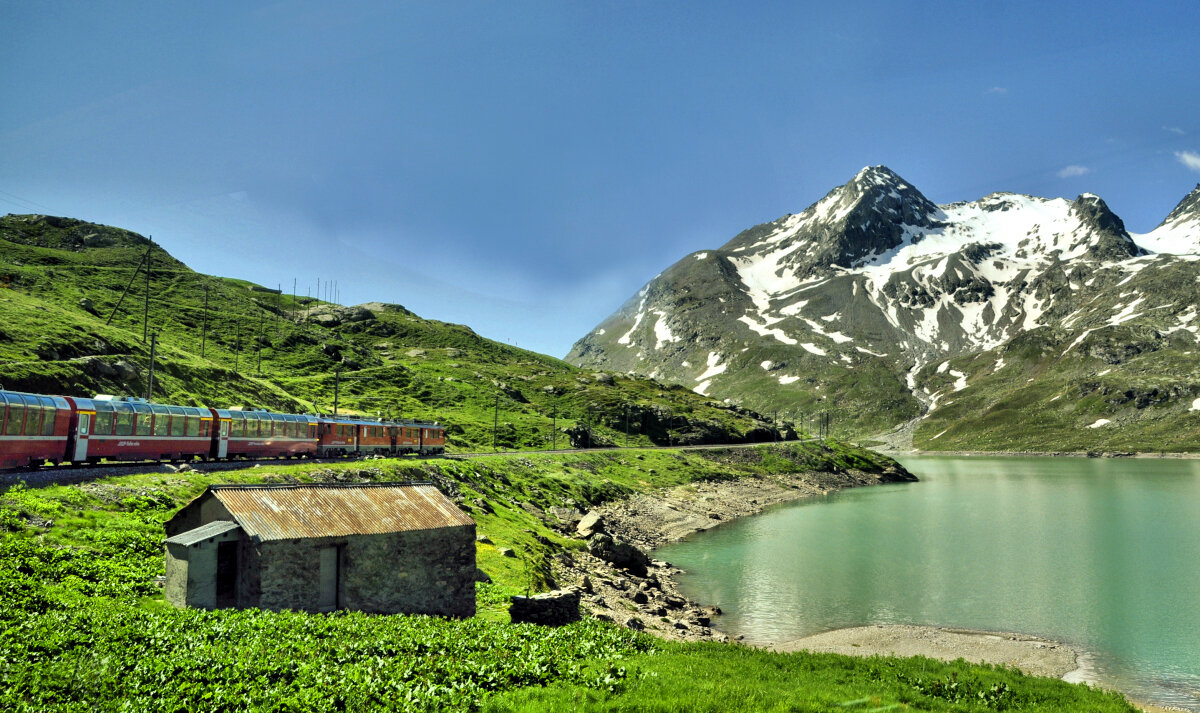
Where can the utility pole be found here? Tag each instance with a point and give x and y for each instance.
(495, 422)
(150, 381)
(146, 315)
(125, 292)
(204, 324)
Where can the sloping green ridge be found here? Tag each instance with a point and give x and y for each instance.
(64, 279)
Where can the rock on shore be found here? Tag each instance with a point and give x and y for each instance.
(641, 593)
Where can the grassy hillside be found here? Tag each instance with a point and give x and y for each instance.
(83, 626)
(1118, 388)
(68, 326)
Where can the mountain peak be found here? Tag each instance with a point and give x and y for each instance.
(877, 175)
(1188, 208)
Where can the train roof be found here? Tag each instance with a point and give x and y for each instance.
(350, 421)
(20, 397)
(240, 415)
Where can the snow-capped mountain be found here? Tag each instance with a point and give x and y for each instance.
(847, 304)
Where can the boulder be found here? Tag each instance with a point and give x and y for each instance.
(590, 524)
(549, 609)
(125, 371)
(618, 553)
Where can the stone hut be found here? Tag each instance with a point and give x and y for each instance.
(384, 548)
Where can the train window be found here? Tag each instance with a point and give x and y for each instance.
(102, 422)
(51, 415)
(162, 421)
(312, 430)
(124, 419)
(33, 416)
(178, 425)
(143, 420)
(193, 425)
(16, 417)
(238, 426)
(33, 420)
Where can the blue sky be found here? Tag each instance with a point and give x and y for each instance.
(523, 168)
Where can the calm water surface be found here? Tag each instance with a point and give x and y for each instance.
(1101, 554)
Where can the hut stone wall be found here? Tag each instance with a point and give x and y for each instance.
(419, 572)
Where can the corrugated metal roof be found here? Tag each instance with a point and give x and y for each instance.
(285, 512)
(202, 533)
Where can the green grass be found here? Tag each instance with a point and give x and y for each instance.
(728, 678)
(83, 626)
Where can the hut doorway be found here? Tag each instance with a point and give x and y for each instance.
(331, 579)
(227, 570)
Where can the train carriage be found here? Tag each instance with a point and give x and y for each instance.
(337, 436)
(33, 429)
(433, 439)
(408, 437)
(135, 429)
(262, 434)
(376, 439)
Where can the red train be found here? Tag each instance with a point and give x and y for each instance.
(37, 429)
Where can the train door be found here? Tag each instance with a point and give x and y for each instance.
(223, 439)
(81, 436)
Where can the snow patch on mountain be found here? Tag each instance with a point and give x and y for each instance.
(766, 331)
(627, 338)
(715, 367)
(661, 331)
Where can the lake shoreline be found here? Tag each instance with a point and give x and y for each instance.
(901, 452)
(653, 520)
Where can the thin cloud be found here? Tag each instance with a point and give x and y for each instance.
(1191, 159)
(1073, 170)
(1174, 130)
(997, 90)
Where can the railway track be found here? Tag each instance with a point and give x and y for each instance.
(65, 475)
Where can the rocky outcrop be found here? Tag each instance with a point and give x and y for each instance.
(548, 609)
(618, 553)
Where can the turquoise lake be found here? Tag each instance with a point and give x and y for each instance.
(1102, 554)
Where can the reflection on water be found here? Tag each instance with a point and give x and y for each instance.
(1101, 554)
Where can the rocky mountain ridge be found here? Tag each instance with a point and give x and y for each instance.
(858, 304)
